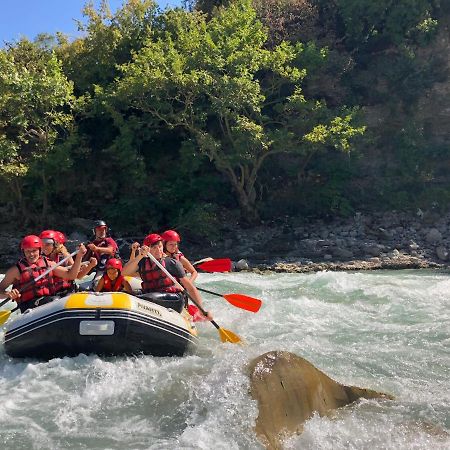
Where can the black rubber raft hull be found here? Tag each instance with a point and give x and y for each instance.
(61, 329)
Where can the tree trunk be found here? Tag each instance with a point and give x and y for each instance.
(44, 211)
(20, 209)
(246, 195)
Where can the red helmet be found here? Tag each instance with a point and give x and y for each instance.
(152, 239)
(31, 241)
(49, 234)
(114, 263)
(171, 235)
(60, 237)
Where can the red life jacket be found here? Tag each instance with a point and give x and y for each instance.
(101, 242)
(108, 285)
(43, 287)
(154, 279)
(60, 284)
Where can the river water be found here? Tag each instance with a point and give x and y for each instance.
(388, 331)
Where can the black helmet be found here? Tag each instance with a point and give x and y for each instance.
(99, 223)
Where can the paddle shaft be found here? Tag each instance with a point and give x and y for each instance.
(7, 299)
(209, 292)
(182, 288)
(42, 275)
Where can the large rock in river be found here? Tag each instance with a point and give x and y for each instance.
(289, 390)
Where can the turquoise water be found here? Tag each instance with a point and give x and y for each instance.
(388, 331)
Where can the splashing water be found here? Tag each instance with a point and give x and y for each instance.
(388, 331)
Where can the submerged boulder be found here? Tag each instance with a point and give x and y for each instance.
(289, 390)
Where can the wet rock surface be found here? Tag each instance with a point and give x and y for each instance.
(289, 390)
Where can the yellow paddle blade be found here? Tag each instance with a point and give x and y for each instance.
(4, 316)
(229, 336)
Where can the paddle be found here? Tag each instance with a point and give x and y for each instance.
(4, 315)
(238, 300)
(215, 265)
(225, 335)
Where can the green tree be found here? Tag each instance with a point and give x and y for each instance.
(109, 40)
(378, 25)
(35, 103)
(239, 101)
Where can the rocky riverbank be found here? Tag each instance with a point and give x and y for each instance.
(392, 240)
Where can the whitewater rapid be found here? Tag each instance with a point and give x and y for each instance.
(388, 331)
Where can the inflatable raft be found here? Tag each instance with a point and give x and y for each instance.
(111, 323)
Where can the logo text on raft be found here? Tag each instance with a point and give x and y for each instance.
(149, 309)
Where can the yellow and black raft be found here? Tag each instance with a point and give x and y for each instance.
(109, 324)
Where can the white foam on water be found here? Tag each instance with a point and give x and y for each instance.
(388, 331)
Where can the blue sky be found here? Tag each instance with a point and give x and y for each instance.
(31, 17)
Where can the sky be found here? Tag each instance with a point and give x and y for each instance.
(28, 18)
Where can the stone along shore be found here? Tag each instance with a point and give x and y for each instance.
(392, 240)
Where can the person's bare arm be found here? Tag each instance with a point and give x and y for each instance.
(193, 292)
(71, 273)
(132, 266)
(102, 250)
(60, 248)
(134, 248)
(100, 284)
(85, 268)
(11, 275)
(189, 268)
(127, 287)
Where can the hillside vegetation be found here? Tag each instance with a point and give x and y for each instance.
(227, 110)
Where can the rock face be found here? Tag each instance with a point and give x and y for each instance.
(289, 390)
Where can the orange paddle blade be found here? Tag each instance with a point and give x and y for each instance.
(229, 336)
(216, 265)
(244, 302)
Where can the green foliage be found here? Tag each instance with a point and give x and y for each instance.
(240, 101)
(154, 119)
(200, 221)
(381, 40)
(323, 189)
(35, 104)
(132, 214)
(384, 22)
(109, 41)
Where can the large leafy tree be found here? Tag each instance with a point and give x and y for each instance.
(239, 101)
(35, 114)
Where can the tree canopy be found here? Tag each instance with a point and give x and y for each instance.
(173, 117)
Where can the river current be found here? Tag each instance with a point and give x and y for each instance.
(388, 331)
